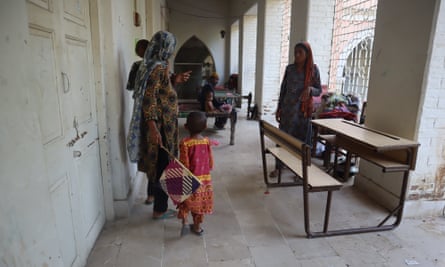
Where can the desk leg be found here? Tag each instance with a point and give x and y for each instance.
(327, 212)
(399, 209)
(334, 173)
(327, 155)
(233, 118)
(347, 166)
(314, 139)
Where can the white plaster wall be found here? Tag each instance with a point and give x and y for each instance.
(298, 25)
(285, 36)
(239, 8)
(399, 57)
(428, 180)
(401, 74)
(118, 39)
(118, 99)
(320, 28)
(260, 60)
(204, 19)
(234, 47)
(272, 51)
(249, 55)
(28, 236)
(156, 14)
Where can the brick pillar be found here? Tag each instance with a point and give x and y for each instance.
(247, 77)
(299, 21)
(234, 48)
(320, 26)
(268, 55)
(312, 21)
(405, 96)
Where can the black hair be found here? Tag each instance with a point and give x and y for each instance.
(301, 45)
(196, 122)
(143, 43)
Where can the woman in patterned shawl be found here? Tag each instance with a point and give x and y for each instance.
(301, 81)
(156, 114)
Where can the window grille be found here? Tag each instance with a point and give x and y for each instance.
(353, 35)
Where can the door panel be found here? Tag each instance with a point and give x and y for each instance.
(61, 66)
(45, 4)
(75, 11)
(80, 79)
(90, 189)
(80, 67)
(42, 43)
(61, 204)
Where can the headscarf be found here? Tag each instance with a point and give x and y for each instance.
(159, 50)
(306, 98)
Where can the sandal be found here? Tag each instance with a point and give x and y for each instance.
(198, 233)
(166, 215)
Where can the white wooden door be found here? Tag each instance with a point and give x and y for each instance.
(61, 64)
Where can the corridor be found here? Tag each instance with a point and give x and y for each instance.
(251, 228)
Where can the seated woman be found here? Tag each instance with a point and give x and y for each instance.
(209, 107)
(213, 80)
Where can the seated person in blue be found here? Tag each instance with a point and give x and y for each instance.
(207, 94)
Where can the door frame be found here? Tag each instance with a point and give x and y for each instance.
(104, 144)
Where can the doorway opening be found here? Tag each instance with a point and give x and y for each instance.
(193, 55)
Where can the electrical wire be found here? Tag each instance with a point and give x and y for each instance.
(202, 16)
(189, 5)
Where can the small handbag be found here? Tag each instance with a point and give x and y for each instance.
(178, 182)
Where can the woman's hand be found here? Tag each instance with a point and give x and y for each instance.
(278, 115)
(154, 134)
(182, 77)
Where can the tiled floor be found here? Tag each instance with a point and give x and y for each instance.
(251, 228)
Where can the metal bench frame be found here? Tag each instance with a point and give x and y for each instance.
(301, 152)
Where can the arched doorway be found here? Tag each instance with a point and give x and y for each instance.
(195, 56)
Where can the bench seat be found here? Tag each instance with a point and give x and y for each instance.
(296, 155)
(317, 178)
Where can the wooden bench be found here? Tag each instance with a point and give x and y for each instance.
(296, 155)
(188, 105)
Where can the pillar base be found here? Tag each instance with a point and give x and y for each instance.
(123, 207)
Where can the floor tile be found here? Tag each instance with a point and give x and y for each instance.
(273, 256)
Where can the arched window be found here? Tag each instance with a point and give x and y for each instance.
(352, 39)
(356, 70)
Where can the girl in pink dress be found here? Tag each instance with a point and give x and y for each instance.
(196, 155)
